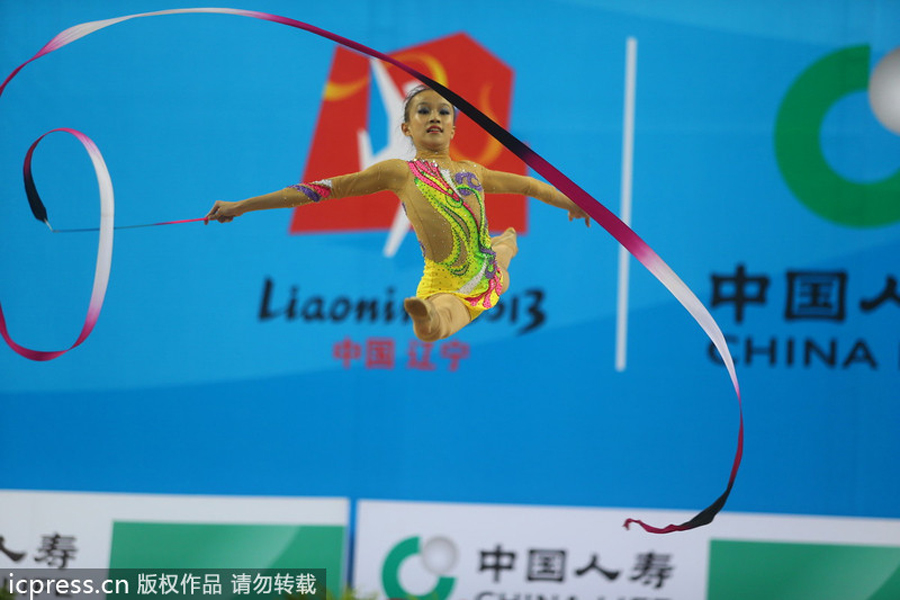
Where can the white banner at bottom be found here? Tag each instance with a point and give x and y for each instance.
(501, 552)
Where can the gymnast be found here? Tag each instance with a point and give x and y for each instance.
(466, 270)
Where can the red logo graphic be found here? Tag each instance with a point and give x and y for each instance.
(341, 144)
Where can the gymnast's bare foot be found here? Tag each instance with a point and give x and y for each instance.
(426, 322)
(506, 246)
(507, 238)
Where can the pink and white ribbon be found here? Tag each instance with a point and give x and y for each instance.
(603, 216)
(104, 247)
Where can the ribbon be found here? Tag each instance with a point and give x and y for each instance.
(603, 216)
(104, 247)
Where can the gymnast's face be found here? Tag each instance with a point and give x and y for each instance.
(429, 121)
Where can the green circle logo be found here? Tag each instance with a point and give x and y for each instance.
(438, 555)
(799, 152)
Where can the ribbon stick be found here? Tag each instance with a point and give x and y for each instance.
(117, 227)
(603, 216)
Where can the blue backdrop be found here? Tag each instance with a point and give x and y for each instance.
(184, 388)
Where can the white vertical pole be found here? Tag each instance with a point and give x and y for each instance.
(625, 201)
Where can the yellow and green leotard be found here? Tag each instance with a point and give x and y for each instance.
(469, 270)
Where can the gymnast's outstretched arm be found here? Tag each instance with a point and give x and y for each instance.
(386, 175)
(499, 182)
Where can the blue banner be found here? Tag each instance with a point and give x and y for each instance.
(272, 356)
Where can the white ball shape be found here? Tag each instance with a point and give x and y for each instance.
(439, 555)
(884, 91)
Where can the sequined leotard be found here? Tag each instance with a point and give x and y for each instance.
(469, 271)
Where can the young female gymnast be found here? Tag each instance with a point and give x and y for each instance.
(466, 270)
